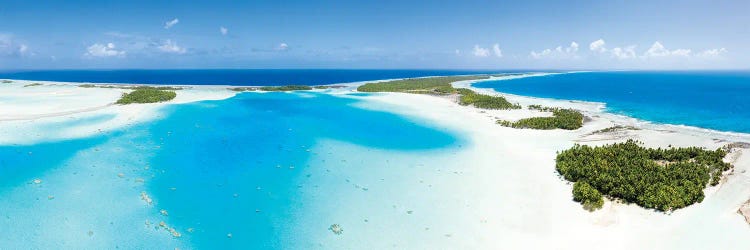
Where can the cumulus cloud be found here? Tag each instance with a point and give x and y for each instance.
(103, 50)
(480, 52)
(9, 47)
(559, 52)
(282, 47)
(681, 52)
(655, 51)
(573, 48)
(171, 47)
(171, 23)
(223, 30)
(598, 46)
(497, 51)
(712, 53)
(623, 53)
(23, 48)
(658, 50)
(539, 55)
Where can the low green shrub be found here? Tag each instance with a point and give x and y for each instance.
(426, 85)
(567, 119)
(469, 97)
(661, 179)
(147, 95)
(285, 88)
(588, 196)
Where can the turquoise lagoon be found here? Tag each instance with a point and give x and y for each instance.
(259, 170)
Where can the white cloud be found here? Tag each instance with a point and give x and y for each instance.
(171, 23)
(496, 49)
(559, 52)
(598, 46)
(539, 55)
(712, 53)
(223, 30)
(12, 48)
(282, 47)
(103, 50)
(658, 50)
(458, 52)
(573, 48)
(681, 52)
(480, 52)
(23, 48)
(623, 53)
(171, 47)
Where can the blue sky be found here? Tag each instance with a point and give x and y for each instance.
(375, 34)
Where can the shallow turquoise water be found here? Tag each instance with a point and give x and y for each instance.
(707, 99)
(240, 166)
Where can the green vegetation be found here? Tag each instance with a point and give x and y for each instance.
(587, 195)
(242, 89)
(6, 81)
(662, 179)
(145, 94)
(568, 119)
(469, 97)
(285, 88)
(536, 107)
(613, 129)
(425, 85)
(329, 87)
(442, 86)
(33, 84)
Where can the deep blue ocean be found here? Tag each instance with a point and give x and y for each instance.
(717, 100)
(247, 77)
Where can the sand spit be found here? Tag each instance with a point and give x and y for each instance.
(25, 112)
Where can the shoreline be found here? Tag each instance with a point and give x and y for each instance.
(477, 204)
(590, 109)
(599, 108)
(542, 200)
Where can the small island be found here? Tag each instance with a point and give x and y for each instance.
(567, 119)
(469, 97)
(281, 88)
(441, 86)
(660, 179)
(424, 85)
(145, 94)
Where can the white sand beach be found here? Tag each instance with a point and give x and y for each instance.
(501, 191)
(513, 198)
(22, 104)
